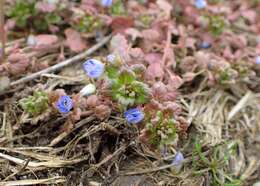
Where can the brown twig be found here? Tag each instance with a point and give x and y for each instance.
(64, 63)
(2, 31)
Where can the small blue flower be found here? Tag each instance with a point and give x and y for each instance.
(94, 68)
(200, 4)
(64, 104)
(178, 159)
(205, 45)
(106, 3)
(111, 58)
(134, 115)
(257, 60)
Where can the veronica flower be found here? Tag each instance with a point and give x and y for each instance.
(94, 68)
(111, 58)
(178, 159)
(200, 4)
(106, 3)
(88, 90)
(205, 45)
(134, 115)
(257, 60)
(177, 162)
(64, 104)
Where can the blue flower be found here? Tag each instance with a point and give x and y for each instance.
(106, 3)
(200, 4)
(178, 159)
(94, 68)
(257, 60)
(111, 58)
(205, 45)
(64, 104)
(134, 115)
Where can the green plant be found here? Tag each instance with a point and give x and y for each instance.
(215, 164)
(162, 130)
(25, 14)
(118, 8)
(88, 23)
(35, 104)
(216, 25)
(125, 88)
(22, 11)
(226, 76)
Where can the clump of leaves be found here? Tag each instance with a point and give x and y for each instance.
(146, 20)
(226, 76)
(118, 8)
(162, 130)
(21, 11)
(35, 104)
(216, 164)
(125, 88)
(216, 25)
(88, 23)
(25, 14)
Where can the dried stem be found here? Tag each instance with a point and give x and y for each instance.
(2, 31)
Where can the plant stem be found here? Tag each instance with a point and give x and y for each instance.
(2, 31)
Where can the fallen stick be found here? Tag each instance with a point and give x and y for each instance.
(62, 64)
(48, 181)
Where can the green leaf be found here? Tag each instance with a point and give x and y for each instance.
(112, 71)
(52, 18)
(126, 77)
(36, 104)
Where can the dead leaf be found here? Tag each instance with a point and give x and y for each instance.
(154, 71)
(45, 41)
(18, 63)
(250, 15)
(119, 24)
(74, 40)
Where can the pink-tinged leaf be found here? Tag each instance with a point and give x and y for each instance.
(92, 101)
(45, 41)
(239, 41)
(190, 42)
(133, 33)
(227, 53)
(233, 16)
(76, 114)
(151, 34)
(119, 45)
(172, 106)
(203, 59)
(120, 24)
(162, 93)
(45, 7)
(17, 63)
(10, 24)
(154, 71)
(74, 40)
(159, 89)
(174, 81)
(136, 53)
(102, 112)
(153, 58)
(250, 15)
